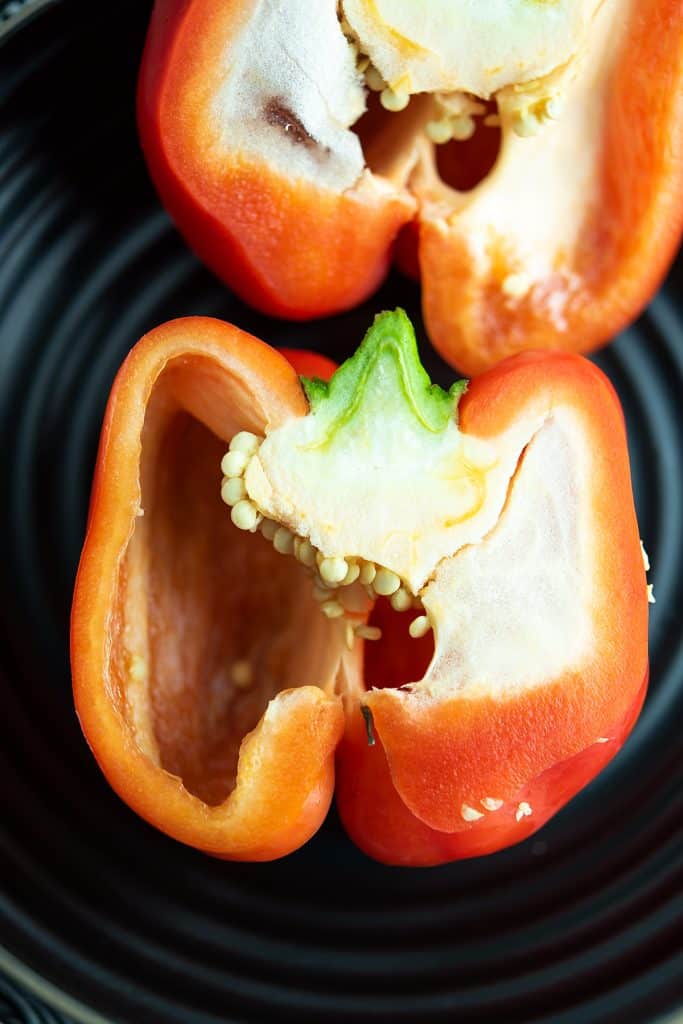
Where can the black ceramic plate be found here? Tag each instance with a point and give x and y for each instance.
(104, 917)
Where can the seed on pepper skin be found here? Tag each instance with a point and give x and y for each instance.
(420, 626)
(283, 541)
(333, 570)
(401, 600)
(234, 463)
(245, 515)
(386, 582)
(245, 442)
(470, 813)
(233, 490)
(523, 810)
(491, 803)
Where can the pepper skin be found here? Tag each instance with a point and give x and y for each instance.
(559, 245)
(171, 600)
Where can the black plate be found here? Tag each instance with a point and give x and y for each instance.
(99, 913)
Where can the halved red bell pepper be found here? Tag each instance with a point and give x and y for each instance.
(225, 636)
(253, 128)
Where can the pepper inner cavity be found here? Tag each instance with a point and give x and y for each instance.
(213, 624)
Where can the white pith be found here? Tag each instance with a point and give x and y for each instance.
(475, 46)
(515, 608)
(418, 498)
(508, 592)
(294, 53)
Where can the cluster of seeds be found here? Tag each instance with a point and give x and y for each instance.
(532, 104)
(455, 120)
(528, 117)
(332, 576)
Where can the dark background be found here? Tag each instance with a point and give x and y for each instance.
(581, 923)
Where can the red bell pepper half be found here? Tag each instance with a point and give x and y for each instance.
(442, 590)
(534, 162)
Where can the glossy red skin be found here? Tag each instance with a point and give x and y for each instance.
(296, 250)
(387, 831)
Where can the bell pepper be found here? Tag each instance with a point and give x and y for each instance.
(443, 591)
(524, 159)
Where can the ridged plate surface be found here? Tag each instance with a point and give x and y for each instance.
(582, 923)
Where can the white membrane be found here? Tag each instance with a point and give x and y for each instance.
(515, 608)
(477, 46)
(293, 57)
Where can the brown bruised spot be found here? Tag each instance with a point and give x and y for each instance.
(279, 115)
